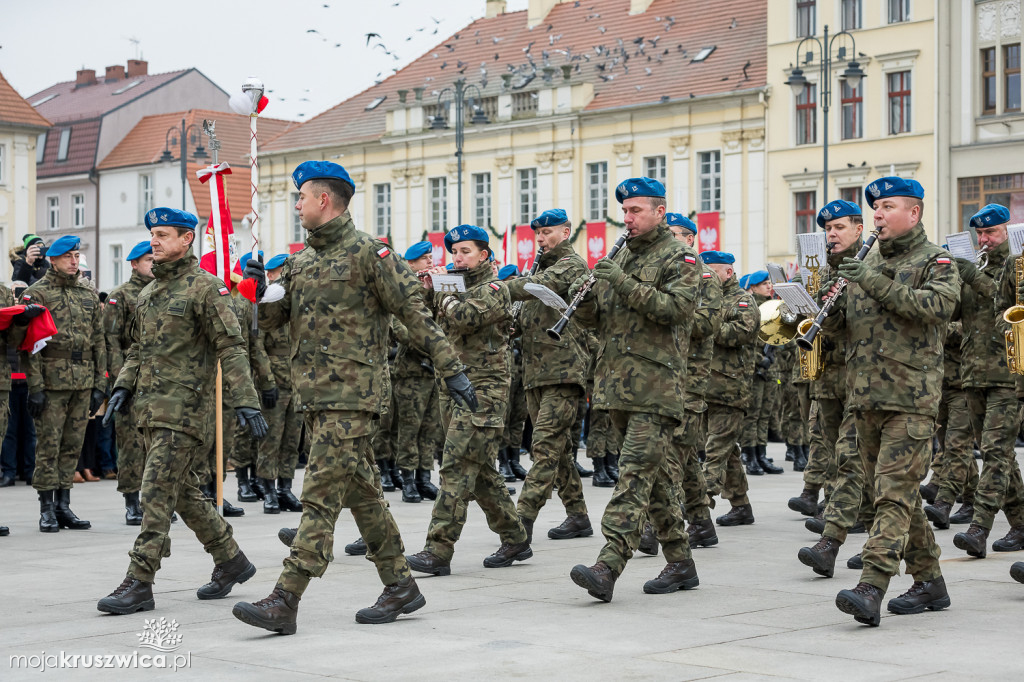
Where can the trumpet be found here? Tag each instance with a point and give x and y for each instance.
(517, 307)
(981, 260)
(556, 331)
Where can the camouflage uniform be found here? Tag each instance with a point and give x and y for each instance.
(954, 469)
(417, 406)
(554, 377)
(896, 326)
(516, 410)
(73, 363)
(183, 325)
(277, 455)
(117, 318)
(643, 324)
(763, 387)
(339, 297)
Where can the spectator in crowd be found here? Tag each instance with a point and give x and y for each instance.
(29, 263)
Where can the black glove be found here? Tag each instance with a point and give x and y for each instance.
(255, 270)
(96, 400)
(968, 271)
(30, 312)
(118, 403)
(462, 391)
(253, 420)
(36, 404)
(269, 397)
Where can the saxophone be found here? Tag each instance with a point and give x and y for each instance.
(811, 363)
(1015, 317)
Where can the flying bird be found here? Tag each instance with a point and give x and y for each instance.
(370, 36)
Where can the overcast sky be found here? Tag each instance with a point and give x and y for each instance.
(43, 42)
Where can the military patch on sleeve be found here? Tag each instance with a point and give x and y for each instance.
(648, 273)
(494, 285)
(944, 261)
(223, 291)
(689, 259)
(112, 301)
(705, 275)
(28, 297)
(743, 304)
(383, 251)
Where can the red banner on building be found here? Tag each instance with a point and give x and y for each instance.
(709, 236)
(296, 247)
(597, 242)
(436, 240)
(525, 247)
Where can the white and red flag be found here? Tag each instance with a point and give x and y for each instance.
(219, 257)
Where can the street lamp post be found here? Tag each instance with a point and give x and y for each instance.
(197, 155)
(852, 74)
(458, 93)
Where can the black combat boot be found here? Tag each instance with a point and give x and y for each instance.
(816, 524)
(245, 491)
(929, 491)
(528, 527)
(702, 533)
(863, 602)
(514, 465)
(1017, 571)
(396, 473)
(974, 541)
(257, 486)
(270, 502)
(47, 516)
(929, 595)
(807, 503)
(573, 527)
(236, 570)
(503, 466)
(132, 510)
(130, 596)
(427, 490)
(65, 517)
(611, 465)
(750, 461)
(287, 536)
(601, 478)
(401, 597)
(761, 455)
(598, 580)
(791, 452)
(285, 498)
(386, 482)
(410, 493)
(965, 514)
(648, 541)
(507, 553)
(427, 562)
(822, 556)
(678, 575)
(938, 513)
(357, 548)
(855, 563)
(580, 469)
(230, 510)
(739, 515)
(275, 612)
(800, 460)
(1011, 542)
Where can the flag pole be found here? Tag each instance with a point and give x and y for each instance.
(209, 129)
(254, 88)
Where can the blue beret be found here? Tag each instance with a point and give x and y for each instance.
(745, 282)
(755, 278)
(892, 186)
(508, 271)
(463, 233)
(721, 257)
(171, 217)
(139, 250)
(639, 187)
(316, 170)
(418, 250)
(59, 247)
(276, 262)
(551, 218)
(450, 266)
(244, 258)
(679, 220)
(990, 216)
(837, 209)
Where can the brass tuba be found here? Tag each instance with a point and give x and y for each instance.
(778, 323)
(811, 362)
(1015, 317)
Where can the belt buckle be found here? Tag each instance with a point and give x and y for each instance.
(76, 356)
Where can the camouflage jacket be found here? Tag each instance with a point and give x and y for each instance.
(275, 343)
(707, 320)
(764, 350)
(736, 344)
(643, 326)
(118, 314)
(896, 331)
(984, 345)
(262, 373)
(76, 357)
(832, 383)
(339, 295)
(951, 357)
(184, 324)
(6, 339)
(547, 362)
(410, 361)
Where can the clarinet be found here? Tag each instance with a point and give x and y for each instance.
(556, 331)
(806, 342)
(517, 307)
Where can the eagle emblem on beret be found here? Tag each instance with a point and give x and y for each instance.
(152, 216)
(825, 214)
(873, 188)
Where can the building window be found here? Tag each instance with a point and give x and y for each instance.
(77, 210)
(1011, 76)
(654, 167)
(3, 164)
(710, 181)
(805, 18)
(853, 112)
(527, 195)
(851, 14)
(851, 194)
(382, 208)
(439, 204)
(597, 190)
(146, 193)
(806, 211)
(899, 11)
(988, 80)
(297, 236)
(482, 199)
(65, 142)
(116, 264)
(40, 147)
(1006, 190)
(53, 212)
(806, 118)
(899, 102)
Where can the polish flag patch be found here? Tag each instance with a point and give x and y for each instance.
(743, 304)
(494, 285)
(690, 259)
(705, 275)
(944, 261)
(28, 297)
(112, 301)
(223, 291)
(383, 251)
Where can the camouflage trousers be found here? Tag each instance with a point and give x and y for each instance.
(60, 434)
(954, 468)
(341, 473)
(169, 484)
(645, 485)
(722, 466)
(826, 416)
(599, 436)
(995, 419)
(131, 453)
(849, 499)
(277, 455)
(418, 415)
(468, 473)
(759, 412)
(685, 468)
(894, 447)
(239, 447)
(515, 415)
(576, 432)
(383, 439)
(798, 415)
(552, 410)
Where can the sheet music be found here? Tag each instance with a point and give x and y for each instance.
(1016, 233)
(776, 274)
(813, 253)
(546, 296)
(797, 298)
(961, 245)
(448, 283)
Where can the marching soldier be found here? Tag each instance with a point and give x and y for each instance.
(763, 388)
(642, 307)
(338, 302)
(183, 325)
(118, 315)
(896, 308)
(66, 381)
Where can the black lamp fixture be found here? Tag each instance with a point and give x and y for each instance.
(176, 136)
(459, 94)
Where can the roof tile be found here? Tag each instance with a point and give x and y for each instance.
(15, 110)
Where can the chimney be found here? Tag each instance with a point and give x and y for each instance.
(85, 77)
(137, 67)
(639, 6)
(494, 8)
(538, 10)
(114, 73)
